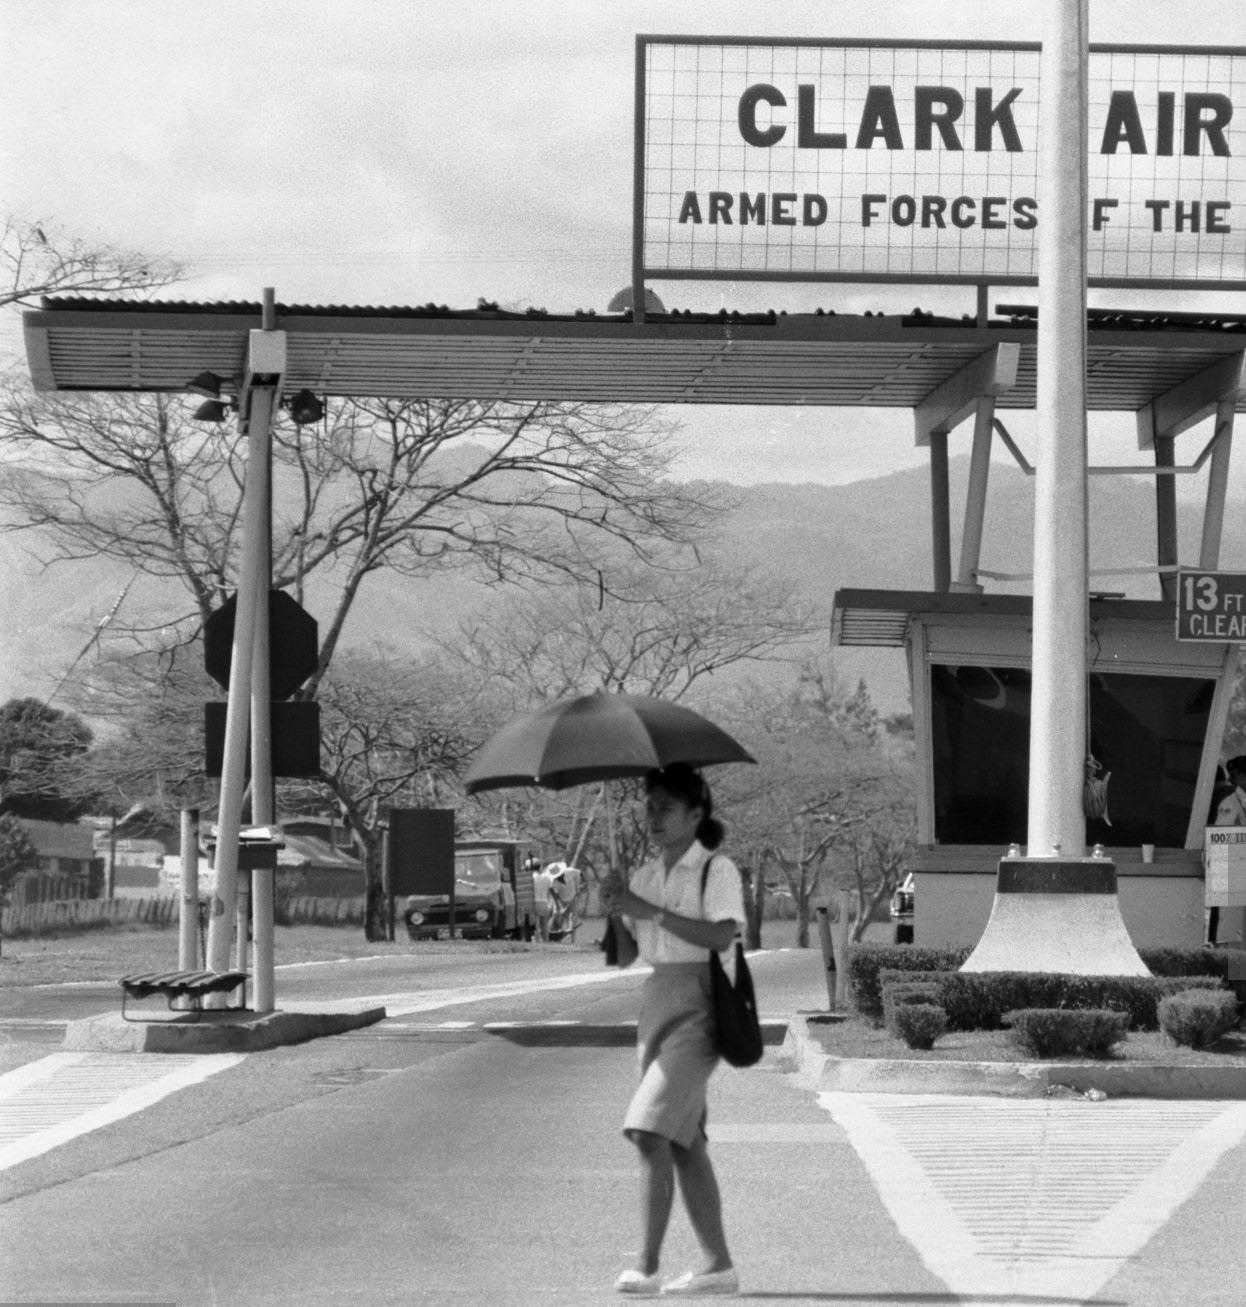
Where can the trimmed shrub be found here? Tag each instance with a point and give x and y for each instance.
(918, 1024)
(1056, 1032)
(1198, 1017)
(980, 1000)
(866, 962)
(1184, 961)
(898, 993)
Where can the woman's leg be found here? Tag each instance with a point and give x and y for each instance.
(699, 1187)
(657, 1193)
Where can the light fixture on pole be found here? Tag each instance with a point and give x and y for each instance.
(213, 410)
(305, 408)
(207, 384)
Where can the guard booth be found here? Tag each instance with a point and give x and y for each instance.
(1157, 710)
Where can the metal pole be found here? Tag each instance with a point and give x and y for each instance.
(940, 512)
(263, 882)
(1166, 553)
(266, 359)
(234, 762)
(188, 908)
(1217, 487)
(1057, 824)
(975, 497)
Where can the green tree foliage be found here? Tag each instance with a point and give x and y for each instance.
(17, 853)
(40, 748)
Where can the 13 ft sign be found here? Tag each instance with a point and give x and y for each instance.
(1211, 606)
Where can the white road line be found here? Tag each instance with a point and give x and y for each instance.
(429, 1000)
(1007, 1197)
(55, 1099)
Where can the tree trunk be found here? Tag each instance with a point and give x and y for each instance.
(754, 905)
(375, 905)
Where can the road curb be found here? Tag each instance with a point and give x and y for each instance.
(824, 1072)
(215, 1032)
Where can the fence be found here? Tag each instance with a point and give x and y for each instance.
(83, 914)
(86, 914)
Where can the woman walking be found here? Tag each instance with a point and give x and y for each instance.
(678, 908)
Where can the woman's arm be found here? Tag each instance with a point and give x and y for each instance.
(716, 935)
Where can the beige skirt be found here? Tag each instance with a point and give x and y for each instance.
(676, 1051)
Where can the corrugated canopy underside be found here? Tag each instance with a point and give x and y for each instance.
(672, 358)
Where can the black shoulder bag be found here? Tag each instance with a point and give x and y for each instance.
(737, 1030)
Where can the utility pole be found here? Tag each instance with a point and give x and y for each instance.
(257, 401)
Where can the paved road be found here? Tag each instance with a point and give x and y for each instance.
(468, 1153)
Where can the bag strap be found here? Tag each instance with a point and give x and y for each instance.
(705, 878)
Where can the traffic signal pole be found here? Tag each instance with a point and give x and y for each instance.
(245, 707)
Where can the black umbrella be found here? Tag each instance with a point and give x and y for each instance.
(598, 737)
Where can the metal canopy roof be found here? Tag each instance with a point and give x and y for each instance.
(881, 618)
(671, 358)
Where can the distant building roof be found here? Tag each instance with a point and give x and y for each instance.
(53, 839)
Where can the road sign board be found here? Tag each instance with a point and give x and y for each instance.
(1211, 606)
(293, 637)
(1224, 861)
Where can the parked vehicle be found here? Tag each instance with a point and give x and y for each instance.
(492, 898)
(903, 904)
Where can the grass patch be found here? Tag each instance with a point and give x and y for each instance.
(105, 954)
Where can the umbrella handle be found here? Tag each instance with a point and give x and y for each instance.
(614, 847)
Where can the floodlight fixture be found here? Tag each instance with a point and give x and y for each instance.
(207, 384)
(212, 410)
(305, 408)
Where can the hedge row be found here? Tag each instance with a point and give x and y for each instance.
(980, 1000)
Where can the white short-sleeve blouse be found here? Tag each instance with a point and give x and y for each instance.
(679, 891)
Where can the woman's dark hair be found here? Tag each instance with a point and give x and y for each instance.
(683, 782)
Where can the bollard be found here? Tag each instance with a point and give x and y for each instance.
(839, 943)
(828, 956)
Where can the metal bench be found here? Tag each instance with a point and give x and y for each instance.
(189, 985)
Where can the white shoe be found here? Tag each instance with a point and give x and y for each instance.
(638, 1284)
(706, 1284)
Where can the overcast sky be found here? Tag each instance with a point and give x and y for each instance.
(395, 152)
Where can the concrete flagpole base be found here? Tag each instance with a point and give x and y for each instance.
(1056, 915)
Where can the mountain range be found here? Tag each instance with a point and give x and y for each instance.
(871, 533)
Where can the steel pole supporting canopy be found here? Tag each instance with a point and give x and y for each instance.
(598, 737)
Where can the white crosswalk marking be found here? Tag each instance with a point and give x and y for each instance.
(59, 1097)
(1009, 1197)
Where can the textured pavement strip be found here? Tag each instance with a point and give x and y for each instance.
(56, 1098)
(1010, 1197)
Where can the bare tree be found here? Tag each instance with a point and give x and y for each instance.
(511, 492)
(831, 797)
(660, 629)
(394, 733)
(38, 258)
(658, 626)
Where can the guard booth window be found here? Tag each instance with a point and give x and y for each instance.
(1147, 731)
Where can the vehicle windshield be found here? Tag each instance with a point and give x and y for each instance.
(478, 870)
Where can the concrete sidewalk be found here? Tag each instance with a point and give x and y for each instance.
(218, 1031)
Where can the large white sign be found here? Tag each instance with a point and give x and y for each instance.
(1224, 861)
(821, 161)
